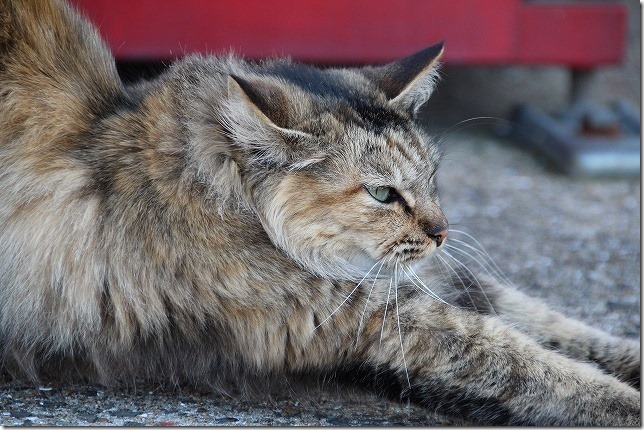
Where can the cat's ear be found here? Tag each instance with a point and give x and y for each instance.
(265, 100)
(257, 117)
(408, 82)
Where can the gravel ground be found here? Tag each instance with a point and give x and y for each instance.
(573, 242)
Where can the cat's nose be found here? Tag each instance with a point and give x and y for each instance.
(438, 234)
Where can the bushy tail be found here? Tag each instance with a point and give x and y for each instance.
(52, 59)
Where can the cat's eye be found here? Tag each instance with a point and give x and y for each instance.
(382, 194)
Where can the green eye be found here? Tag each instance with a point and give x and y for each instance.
(382, 194)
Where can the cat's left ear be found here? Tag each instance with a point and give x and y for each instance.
(410, 81)
(257, 118)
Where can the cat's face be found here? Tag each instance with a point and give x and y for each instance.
(373, 202)
(352, 185)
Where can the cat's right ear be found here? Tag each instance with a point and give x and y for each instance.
(410, 81)
(256, 117)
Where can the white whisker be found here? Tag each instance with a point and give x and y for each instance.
(483, 120)
(473, 278)
(465, 287)
(415, 279)
(367, 302)
(402, 348)
(474, 259)
(346, 298)
(480, 259)
(481, 249)
(384, 315)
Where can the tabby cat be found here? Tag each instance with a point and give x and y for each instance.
(232, 218)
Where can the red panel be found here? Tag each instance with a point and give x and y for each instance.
(357, 31)
(580, 35)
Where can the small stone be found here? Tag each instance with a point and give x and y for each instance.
(90, 418)
(226, 420)
(124, 413)
(52, 404)
(339, 421)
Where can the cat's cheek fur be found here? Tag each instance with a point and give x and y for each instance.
(337, 231)
(312, 224)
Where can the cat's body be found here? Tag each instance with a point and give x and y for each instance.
(228, 219)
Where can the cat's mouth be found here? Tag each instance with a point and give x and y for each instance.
(411, 251)
(413, 247)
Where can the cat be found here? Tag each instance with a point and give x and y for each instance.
(233, 219)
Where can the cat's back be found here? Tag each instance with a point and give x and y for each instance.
(56, 75)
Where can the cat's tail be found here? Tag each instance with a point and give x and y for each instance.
(52, 61)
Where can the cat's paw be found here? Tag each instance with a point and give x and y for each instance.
(628, 365)
(619, 405)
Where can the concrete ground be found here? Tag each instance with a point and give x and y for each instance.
(573, 242)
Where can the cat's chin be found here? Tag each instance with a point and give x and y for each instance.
(362, 267)
(355, 269)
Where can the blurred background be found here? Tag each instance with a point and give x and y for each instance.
(498, 53)
(570, 60)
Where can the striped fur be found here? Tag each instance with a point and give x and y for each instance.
(216, 223)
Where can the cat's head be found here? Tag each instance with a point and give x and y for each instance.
(342, 177)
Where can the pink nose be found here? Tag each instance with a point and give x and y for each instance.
(440, 236)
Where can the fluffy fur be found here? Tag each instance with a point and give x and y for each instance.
(217, 222)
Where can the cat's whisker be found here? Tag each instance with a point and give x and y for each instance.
(346, 299)
(476, 118)
(468, 123)
(483, 266)
(473, 278)
(402, 347)
(384, 315)
(423, 289)
(466, 288)
(483, 251)
(415, 279)
(480, 257)
(373, 284)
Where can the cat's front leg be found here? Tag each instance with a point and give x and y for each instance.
(618, 356)
(461, 362)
